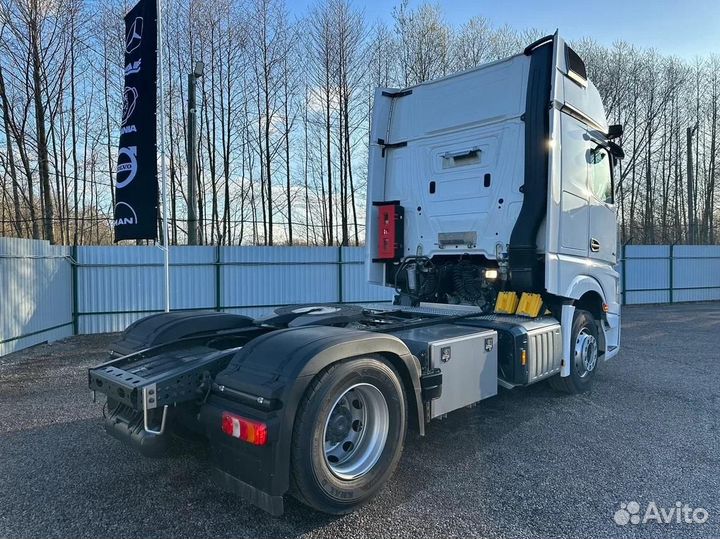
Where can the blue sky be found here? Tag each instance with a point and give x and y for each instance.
(683, 27)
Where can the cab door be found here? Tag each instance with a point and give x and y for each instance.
(587, 218)
(574, 197)
(602, 241)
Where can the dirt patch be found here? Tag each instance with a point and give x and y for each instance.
(51, 366)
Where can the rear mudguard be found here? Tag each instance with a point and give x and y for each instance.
(163, 328)
(266, 381)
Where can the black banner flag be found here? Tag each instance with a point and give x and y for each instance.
(136, 185)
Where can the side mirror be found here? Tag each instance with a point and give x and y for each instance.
(615, 131)
(615, 150)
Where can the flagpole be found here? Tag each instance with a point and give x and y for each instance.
(163, 171)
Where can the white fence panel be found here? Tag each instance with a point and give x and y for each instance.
(696, 272)
(647, 274)
(36, 297)
(354, 277)
(271, 276)
(116, 285)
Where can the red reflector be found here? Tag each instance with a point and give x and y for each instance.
(247, 430)
(390, 232)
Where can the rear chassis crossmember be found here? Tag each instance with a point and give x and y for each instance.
(167, 374)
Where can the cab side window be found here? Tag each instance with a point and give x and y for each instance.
(599, 174)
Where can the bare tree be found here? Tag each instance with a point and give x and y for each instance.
(425, 42)
(284, 115)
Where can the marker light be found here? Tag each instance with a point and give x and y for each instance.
(253, 432)
(491, 274)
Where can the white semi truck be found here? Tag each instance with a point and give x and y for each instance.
(490, 211)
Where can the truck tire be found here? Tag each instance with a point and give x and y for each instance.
(348, 435)
(583, 355)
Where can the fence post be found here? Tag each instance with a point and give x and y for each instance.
(340, 274)
(624, 274)
(218, 289)
(74, 274)
(672, 274)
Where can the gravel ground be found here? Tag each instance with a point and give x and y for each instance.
(528, 463)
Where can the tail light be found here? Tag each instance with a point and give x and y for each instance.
(390, 231)
(247, 430)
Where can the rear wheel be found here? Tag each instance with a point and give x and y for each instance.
(348, 435)
(584, 352)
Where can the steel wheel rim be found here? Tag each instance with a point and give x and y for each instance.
(586, 352)
(356, 431)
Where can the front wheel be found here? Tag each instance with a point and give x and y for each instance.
(348, 435)
(584, 352)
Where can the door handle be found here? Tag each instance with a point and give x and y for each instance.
(594, 245)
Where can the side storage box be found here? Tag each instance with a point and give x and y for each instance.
(466, 357)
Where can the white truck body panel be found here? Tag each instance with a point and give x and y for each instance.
(480, 110)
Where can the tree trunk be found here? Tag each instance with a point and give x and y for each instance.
(42, 148)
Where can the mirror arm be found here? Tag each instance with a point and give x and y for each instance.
(615, 150)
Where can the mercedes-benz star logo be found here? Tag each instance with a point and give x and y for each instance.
(134, 35)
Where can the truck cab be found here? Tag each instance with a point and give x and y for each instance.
(499, 178)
